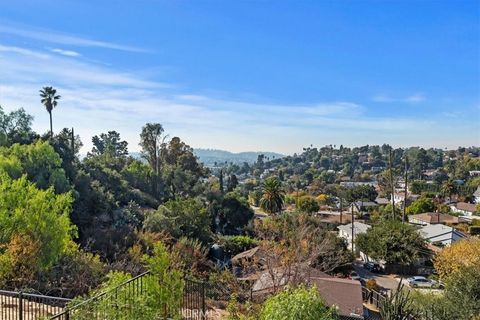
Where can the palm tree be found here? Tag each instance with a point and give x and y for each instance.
(273, 195)
(449, 188)
(50, 100)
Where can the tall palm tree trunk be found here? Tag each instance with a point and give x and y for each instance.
(51, 126)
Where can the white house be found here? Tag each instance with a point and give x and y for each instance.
(399, 198)
(474, 173)
(440, 233)
(464, 208)
(476, 195)
(345, 231)
(352, 184)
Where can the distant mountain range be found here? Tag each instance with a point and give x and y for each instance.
(211, 156)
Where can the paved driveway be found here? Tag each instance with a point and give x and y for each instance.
(386, 281)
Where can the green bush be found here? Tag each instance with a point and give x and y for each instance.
(301, 303)
(307, 204)
(237, 244)
(35, 227)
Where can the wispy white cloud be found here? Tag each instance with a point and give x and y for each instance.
(23, 51)
(68, 53)
(386, 98)
(97, 98)
(63, 38)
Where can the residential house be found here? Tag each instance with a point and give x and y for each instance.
(345, 231)
(248, 262)
(375, 169)
(476, 195)
(344, 295)
(432, 218)
(464, 208)
(474, 173)
(352, 184)
(399, 198)
(362, 206)
(382, 201)
(439, 233)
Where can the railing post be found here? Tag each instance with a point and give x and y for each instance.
(67, 314)
(20, 305)
(204, 315)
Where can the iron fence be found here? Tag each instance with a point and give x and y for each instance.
(373, 297)
(194, 300)
(29, 306)
(124, 302)
(127, 301)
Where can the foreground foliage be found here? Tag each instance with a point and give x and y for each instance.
(35, 231)
(300, 303)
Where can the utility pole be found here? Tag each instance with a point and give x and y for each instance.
(353, 232)
(406, 190)
(392, 184)
(341, 209)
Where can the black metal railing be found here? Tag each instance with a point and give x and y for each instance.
(121, 301)
(373, 297)
(194, 300)
(29, 306)
(125, 302)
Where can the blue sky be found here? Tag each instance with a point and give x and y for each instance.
(250, 75)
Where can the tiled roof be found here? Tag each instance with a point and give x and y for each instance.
(434, 217)
(470, 207)
(345, 294)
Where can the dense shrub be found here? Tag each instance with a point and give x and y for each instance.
(76, 273)
(236, 244)
(35, 227)
(301, 303)
(307, 204)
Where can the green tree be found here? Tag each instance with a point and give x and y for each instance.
(307, 204)
(35, 225)
(421, 205)
(109, 144)
(232, 182)
(300, 303)
(235, 213)
(365, 193)
(39, 162)
(68, 150)
(181, 170)
(49, 100)
(15, 127)
(181, 217)
(273, 195)
(151, 142)
(392, 241)
(254, 197)
(449, 188)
